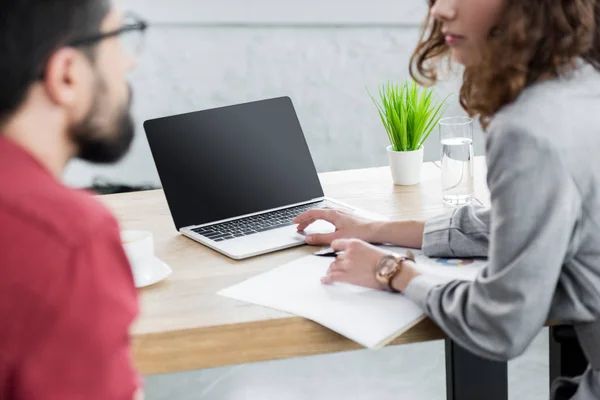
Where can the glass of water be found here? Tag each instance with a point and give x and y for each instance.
(456, 136)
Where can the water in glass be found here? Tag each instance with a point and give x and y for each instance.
(457, 170)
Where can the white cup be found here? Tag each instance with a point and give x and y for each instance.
(139, 248)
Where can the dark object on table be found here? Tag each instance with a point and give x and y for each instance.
(102, 187)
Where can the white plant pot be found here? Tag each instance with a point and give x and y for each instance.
(406, 166)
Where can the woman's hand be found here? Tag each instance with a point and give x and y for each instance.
(356, 264)
(346, 226)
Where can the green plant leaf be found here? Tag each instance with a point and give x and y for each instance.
(408, 113)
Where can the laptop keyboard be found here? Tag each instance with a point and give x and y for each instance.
(256, 223)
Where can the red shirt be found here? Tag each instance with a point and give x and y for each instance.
(67, 296)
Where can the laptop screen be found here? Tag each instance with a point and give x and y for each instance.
(231, 161)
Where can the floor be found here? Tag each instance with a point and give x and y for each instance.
(414, 372)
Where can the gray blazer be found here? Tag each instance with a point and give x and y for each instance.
(541, 235)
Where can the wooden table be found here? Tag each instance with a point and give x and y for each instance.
(184, 325)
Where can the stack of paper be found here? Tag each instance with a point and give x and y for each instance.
(369, 317)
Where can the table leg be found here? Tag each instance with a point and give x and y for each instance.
(566, 357)
(470, 377)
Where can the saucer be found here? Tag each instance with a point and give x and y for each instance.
(152, 272)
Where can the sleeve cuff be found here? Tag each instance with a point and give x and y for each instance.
(418, 289)
(436, 236)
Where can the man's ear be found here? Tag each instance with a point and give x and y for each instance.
(67, 71)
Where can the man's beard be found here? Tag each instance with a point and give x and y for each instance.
(98, 141)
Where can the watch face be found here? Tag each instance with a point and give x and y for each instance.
(387, 267)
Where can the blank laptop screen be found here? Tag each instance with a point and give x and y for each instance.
(230, 161)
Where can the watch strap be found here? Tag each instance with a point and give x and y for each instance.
(396, 271)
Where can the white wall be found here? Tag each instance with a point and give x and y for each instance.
(324, 54)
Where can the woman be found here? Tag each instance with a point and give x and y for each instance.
(532, 76)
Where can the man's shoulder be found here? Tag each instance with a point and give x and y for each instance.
(66, 215)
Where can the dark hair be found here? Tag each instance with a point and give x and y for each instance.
(534, 39)
(30, 32)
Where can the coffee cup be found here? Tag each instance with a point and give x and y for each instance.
(139, 248)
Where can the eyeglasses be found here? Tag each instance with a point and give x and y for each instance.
(131, 34)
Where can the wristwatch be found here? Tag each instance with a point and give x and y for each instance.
(389, 266)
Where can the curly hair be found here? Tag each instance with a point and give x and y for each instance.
(533, 39)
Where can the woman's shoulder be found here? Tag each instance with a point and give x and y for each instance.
(554, 110)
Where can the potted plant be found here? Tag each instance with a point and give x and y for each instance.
(409, 114)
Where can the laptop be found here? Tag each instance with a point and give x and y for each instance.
(235, 177)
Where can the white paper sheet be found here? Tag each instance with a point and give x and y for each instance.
(369, 317)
